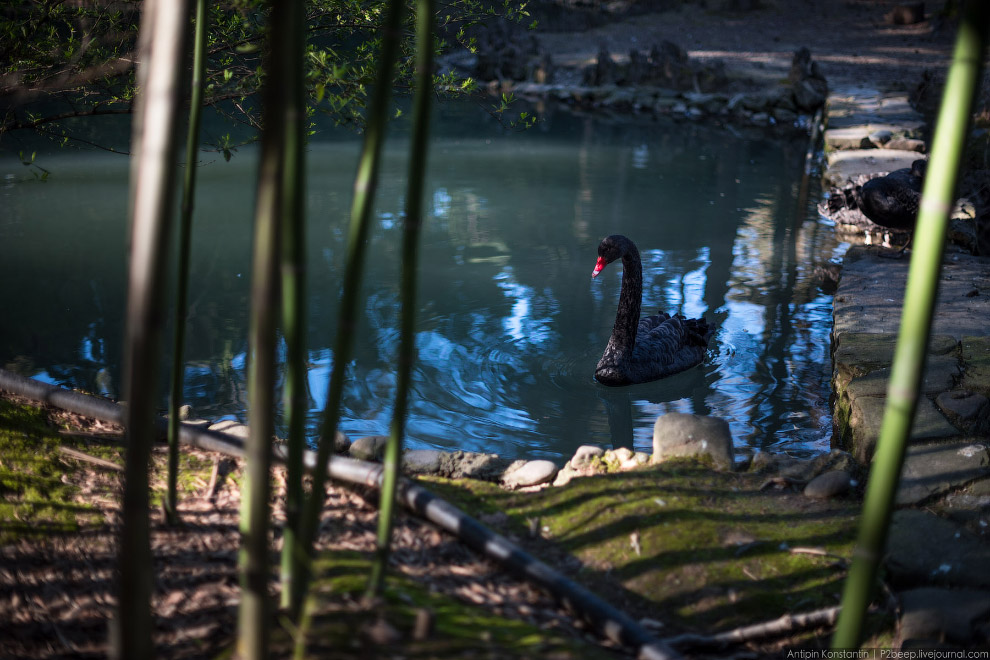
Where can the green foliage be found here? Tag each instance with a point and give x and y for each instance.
(63, 60)
(524, 121)
(39, 173)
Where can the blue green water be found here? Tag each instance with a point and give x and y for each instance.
(510, 323)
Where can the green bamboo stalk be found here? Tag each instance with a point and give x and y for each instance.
(938, 196)
(254, 613)
(185, 232)
(364, 192)
(410, 253)
(161, 45)
(294, 301)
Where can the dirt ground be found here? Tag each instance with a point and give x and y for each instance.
(850, 39)
(57, 591)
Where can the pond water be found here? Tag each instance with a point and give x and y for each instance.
(510, 322)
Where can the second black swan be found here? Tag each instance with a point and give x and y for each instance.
(892, 201)
(642, 350)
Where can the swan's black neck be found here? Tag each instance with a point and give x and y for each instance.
(623, 338)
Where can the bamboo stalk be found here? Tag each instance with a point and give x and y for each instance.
(365, 184)
(185, 231)
(254, 621)
(161, 47)
(410, 244)
(938, 195)
(295, 396)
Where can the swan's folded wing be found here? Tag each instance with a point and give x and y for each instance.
(650, 323)
(672, 341)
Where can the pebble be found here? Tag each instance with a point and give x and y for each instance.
(532, 473)
(584, 455)
(830, 484)
(421, 461)
(369, 448)
(231, 427)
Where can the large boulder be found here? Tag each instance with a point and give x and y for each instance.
(684, 434)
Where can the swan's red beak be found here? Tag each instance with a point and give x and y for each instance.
(601, 263)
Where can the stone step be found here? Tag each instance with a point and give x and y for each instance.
(849, 164)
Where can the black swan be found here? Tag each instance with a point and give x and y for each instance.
(655, 347)
(892, 201)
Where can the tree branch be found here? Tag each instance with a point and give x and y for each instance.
(784, 625)
(95, 111)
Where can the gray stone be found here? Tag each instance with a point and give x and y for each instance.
(970, 508)
(231, 427)
(486, 467)
(565, 475)
(873, 136)
(967, 410)
(806, 470)
(830, 484)
(849, 164)
(906, 13)
(531, 473)
(871, 293)
(907, 144)
(620, 99)
(368, 448)
(185, 412)
(866, 417)
(853, 137)
(341, 443)
(931, 470)
(855, 105)
(924, 549)
(684, 434)
(835, 460)
(862, 352)
(941, 372)
(584, 455)
(784, 116)
(421, 461)
(932, 616)
(881, 136)
(757, 101)
(622, 454)
(768, 461)
(735, 101)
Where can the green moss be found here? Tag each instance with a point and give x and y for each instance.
(976, 359)
(715, 551)
(193, 472)
(34, 497)
(460, 629)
